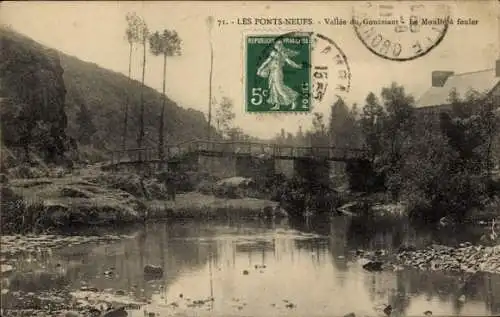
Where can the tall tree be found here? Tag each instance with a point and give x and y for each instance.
(398, 128)
(143, 35)
(319, 134)
(282, 135)
(371, 125)
(400, 119)
(237, 134)
(166, 44)
(210, 25)
(354, 124)
(340, 125)
(471, 128)
(300, 138)
(224, 115)
(132, 35)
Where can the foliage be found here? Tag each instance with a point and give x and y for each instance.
(438, 164)
(142, 35)
(167, 44)
(18, 214)
(103, 92)
(297, 196)
(224, 116)
(237, 134)
(134, 28)
(86, 126)
(342, 126)
(398, 127)
(319, 134)
(131, 33)
(471, 129)
(399, 121)
(371, 125)
(447, 172)
(33, 98)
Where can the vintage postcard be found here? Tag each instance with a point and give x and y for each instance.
(257, 158)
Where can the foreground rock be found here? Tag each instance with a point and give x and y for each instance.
(466, 258)
(90, 197)
(197, 205)
(14, 244)
(153, 271)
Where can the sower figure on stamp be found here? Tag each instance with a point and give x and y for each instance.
(272, 68)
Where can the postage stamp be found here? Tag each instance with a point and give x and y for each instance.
(278, 78)
(292, 72)
(400, 31)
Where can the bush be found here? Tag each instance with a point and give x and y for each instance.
(19, 215)
(297, 195)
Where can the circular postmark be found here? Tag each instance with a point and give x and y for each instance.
(400, 31)
(295, 72)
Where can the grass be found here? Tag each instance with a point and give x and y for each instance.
(198, 205)
(98, 198)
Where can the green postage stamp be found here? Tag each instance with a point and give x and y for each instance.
(278, 73)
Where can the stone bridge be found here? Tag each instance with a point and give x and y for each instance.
(241, 158)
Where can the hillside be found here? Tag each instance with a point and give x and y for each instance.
(80, 102)
(105, 93)
(32, 98)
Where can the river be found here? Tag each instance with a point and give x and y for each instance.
(258, 268)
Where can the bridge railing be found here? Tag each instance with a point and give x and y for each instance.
(237, 148)
(135, 154)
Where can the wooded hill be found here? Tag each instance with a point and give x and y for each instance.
(52, 101)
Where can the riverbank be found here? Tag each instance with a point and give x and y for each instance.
(91, 197)
(466, 258)
(198, 205)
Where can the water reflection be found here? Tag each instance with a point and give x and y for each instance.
(265, 268)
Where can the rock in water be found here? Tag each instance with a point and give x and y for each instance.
(267, 212)
(373, 266)
(4, 179)
(153, 270)
(388, 310)
(116, 312)
(407, 248)
(6, 268)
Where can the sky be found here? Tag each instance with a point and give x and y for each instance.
(94, 32)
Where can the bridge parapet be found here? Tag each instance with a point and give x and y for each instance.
(238, 148)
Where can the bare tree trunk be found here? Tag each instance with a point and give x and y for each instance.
(125, 119)
(209, 128)
(488, 156)
(162, 114)
(141, 117)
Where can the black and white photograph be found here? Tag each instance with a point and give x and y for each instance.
(250, 158)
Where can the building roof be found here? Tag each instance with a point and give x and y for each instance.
(482, 81)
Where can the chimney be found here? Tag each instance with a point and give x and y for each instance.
(439, 77)
(497, 68)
